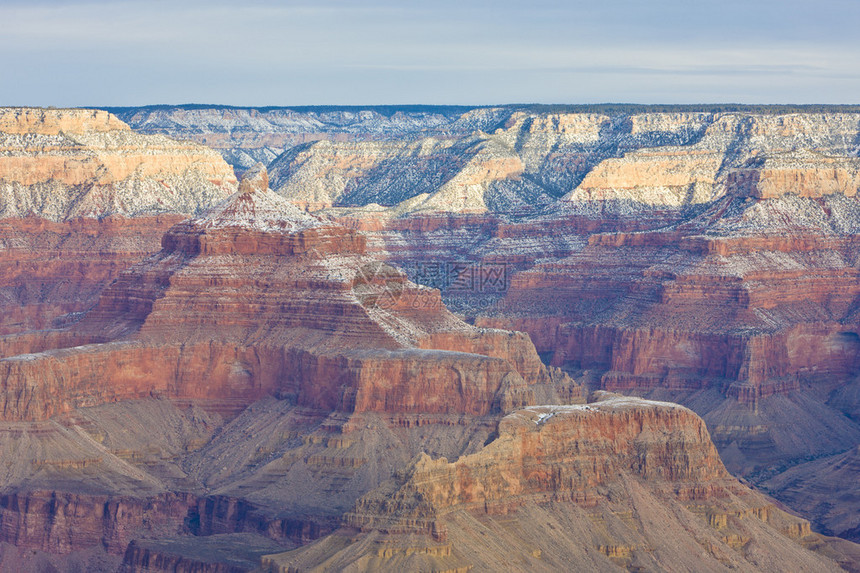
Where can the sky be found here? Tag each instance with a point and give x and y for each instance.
(467, 52)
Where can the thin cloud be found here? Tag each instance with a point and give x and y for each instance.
(268, 52)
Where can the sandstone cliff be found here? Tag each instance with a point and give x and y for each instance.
(752, 299)
(62, 164)
(23, 121)
(600, 474)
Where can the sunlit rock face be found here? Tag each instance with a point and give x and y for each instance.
(82, 197)
(602, 474)
(62, 164)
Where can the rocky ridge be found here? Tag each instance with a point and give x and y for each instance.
(246, 136)
(597, 165)
(601, 473)
(64, 164)
(706, 258)
(254, 305)
(354, 158)
(275, 333)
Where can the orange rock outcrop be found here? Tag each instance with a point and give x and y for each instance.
(600, 471)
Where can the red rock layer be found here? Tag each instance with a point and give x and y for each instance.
(753, 318)
(50, 272)
(63, 522)
(747, 312)
(753, 313)
(243, 303)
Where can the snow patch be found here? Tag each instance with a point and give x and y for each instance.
(259, 211)
(540, 414)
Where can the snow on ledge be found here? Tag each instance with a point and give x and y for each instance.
(540, 414)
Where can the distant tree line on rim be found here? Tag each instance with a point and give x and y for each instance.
(454, 110)
(634, 108)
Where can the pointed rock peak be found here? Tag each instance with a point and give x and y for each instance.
(255, 180)
(256, 207)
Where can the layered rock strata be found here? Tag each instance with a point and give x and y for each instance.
(82, 197)
(62, 164)
(704, 258)
(601, 473)
(245, 136)
(50, 273)
(266, 299)
(748, 313)
(629, 166)
(662, 272)
(253, 300)
(699, 257)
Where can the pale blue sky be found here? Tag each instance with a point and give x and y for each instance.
(75, 53)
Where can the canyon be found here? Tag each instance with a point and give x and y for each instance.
(705, 258)
(443, 339)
